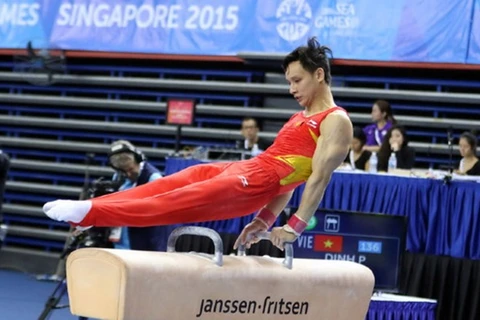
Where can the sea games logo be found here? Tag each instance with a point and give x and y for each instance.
(294, 19)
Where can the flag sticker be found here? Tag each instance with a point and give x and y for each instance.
(328, 243)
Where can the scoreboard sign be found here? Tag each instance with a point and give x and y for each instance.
(375, 240)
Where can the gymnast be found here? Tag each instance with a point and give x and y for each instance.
(308, 148)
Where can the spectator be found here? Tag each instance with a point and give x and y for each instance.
(396, 141)
(252, 141)
(126, 159)
(358, 157)
(469, 165)
(382, 116)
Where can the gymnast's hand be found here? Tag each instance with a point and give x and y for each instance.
(279, 236)
(247, 237)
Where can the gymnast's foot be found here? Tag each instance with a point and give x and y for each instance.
(67, 210)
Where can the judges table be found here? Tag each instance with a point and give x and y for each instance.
(442, 216)
(392, 307)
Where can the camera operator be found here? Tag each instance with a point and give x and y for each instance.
(125, 159)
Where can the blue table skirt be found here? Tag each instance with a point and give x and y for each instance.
(443, 219)
(392, 310)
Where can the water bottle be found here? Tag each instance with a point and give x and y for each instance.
(372, 163)
(392, 162)
(200, 153)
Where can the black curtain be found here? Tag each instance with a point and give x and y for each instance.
(454, 283)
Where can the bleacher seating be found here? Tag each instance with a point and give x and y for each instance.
(49, 130)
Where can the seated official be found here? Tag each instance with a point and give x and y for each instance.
(383, 120)
(252, 141)
(358, 157)
(470, 164)
(396, 141)
(125, 158)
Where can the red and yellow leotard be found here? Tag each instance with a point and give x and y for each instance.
(217, 191)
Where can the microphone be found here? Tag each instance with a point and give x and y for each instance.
(450, 147)
(448, 178)
(450, 135)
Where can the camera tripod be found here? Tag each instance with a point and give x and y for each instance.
(94, 237)
(71, 244)
(60, 290)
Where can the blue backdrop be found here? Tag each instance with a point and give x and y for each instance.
(402, 30)
(474, 47)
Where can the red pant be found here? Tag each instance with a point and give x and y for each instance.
(200, 193)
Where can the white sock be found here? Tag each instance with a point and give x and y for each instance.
(67, 210)
(49, 205)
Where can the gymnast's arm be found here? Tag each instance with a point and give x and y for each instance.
(332, 148)
(263, 221)
(279, 203)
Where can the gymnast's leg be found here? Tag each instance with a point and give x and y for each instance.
(222, 197)
(216, 199)
(74, 211)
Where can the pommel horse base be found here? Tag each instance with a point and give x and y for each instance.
(133, 285)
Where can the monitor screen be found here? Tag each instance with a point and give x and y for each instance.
(374, 240)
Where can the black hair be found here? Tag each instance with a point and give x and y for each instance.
(249, 119)
(385, 107)
(471, 140)
(360, 135)
(311, 57)
(386, 150)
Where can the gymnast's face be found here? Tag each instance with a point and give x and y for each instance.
(304, 85)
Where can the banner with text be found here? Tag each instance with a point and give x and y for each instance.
(403, 30)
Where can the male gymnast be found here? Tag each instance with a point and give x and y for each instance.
(308, 148)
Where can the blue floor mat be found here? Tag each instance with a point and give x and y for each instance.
(23, 297)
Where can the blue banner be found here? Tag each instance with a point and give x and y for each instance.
(402, 30)
(474, 47)
(434, 31)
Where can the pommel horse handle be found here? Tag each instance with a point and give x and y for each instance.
(198, 231)
(287, 262)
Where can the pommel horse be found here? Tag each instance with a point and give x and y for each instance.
(132, 285)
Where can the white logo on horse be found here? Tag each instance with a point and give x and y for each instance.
(294, 19)
(332, 223)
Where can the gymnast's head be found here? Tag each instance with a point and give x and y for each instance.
(307, 69)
